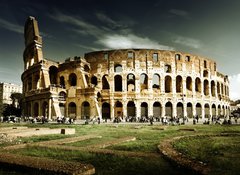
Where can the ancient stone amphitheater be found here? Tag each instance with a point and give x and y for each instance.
(121, 83)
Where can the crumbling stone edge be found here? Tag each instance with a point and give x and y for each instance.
(167, 150)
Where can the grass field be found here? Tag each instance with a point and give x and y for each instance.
(218, 152)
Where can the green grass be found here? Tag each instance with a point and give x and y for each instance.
(220, 152)
(147, 139)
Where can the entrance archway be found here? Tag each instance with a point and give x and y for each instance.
(144, 109)
(131, 109)
(179, 109)
(118, 109)
(85, 110)
(157, 111)
(168, 109)
(106, 111)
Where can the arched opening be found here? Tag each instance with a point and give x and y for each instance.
(168, 84)
(131, 109)
(156, 81)
(62, 108)
(86, 68)
(207, 110)
(105, 84)
(189, 83)
(73, 79)
(106, 111)
(219, 110)
(189, 110)
(157, 110)
(94, 80)
(72, 110)
(36, 110)
(223, 111)
(205, 73)
(177, 57)
(35, 81)
(118, 83)
(179, 109)
(214, 110)
(144, 109)
(199, 110)
(168, 68)
(62, 96)
(118, 68)
(206, 87)
(213, 87)
(179, 84)
(130, 82)
(198, 85)
(118, 109)
(168, 109)
(45, 109)
(218, 88)
(62, 82)
(144, 81)
(53, 71)
(85, 110)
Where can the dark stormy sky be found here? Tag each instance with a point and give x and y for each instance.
(209, 28)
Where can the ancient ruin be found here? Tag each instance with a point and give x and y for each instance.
(121, 83)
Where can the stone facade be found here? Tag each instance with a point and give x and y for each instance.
(120, 83)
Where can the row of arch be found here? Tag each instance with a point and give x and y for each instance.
(208, 87)
(144, 108)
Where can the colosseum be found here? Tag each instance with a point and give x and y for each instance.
(121, 83)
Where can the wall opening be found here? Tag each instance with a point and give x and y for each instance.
(105, 84)
(130, 82)
(73, 79)
(198, 85)
(144, 109)
(106, 111)
(168, 84)
(144, 81)
(179, 84)
(156, 81)
(179, 109)
(118, 83)
(85, 110)
(189, 110)
(157, 110)
(168, 109)
(131, 109)
(189, 83)
(72, 110)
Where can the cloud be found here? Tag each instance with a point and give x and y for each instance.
(234, 87)
(11, 26)
(180, 13)
(107, 20)
(189, 42)
(83, 26)
(130, 41)
(112, 35)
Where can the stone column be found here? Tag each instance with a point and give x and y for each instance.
(112, 109)
(138, 109)
(163, 110)
(203, 112)
(50, 108)
(174, 109)
(150, 109)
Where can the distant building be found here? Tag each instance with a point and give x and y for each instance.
(121, 83)
(6, 89)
